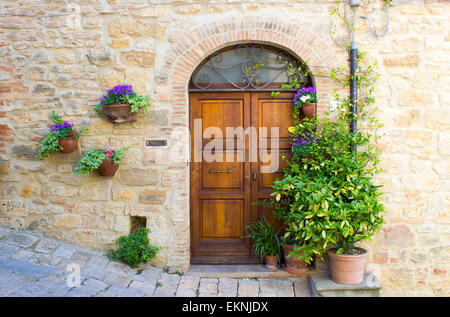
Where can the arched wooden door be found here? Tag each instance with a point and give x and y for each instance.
(224, 192)
(225, 189)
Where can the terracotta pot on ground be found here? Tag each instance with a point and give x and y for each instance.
(293, 265)
(118, 113)
(309, 109)
(271, 262)
(107, 168)
(68, 144)
(347, 269)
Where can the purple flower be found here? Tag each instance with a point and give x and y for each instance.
(306, 91)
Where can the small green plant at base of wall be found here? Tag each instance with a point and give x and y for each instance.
(135, 248)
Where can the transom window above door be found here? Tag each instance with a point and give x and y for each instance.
(249, 67)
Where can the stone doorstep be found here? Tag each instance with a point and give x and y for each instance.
(237, 271)
(322, 286)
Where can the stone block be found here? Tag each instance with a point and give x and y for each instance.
(123, 194)
(248, 288)
(150, 196)
(322, 286)
(96, 191)
(120, 43)
(22, 240)
(139, 177)
(68, 221)
(138, 58)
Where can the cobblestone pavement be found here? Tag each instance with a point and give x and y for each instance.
(32, 265)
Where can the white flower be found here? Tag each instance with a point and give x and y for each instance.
(305, 98)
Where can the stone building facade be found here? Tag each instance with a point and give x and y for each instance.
(64, 55)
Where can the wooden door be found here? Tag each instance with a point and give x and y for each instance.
(223, 189)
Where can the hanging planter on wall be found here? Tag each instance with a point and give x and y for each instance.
(107, 168)
(306, 99)
(63, 137)
(118, 113)
(106, 162)
(309, 109)
(68, 145)
(121, 104)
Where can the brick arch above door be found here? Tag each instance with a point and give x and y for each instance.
(191, 46)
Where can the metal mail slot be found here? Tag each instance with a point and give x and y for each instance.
(156, 143)
(220, 171)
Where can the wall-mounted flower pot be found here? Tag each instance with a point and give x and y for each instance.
(271, 262)
(347, 269)
(309, 109)
(107, 168)
(292, 264)
(68, 144)
(118, 113)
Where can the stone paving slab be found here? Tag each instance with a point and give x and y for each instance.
(32, 265)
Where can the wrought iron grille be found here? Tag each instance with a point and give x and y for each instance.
(249, 67)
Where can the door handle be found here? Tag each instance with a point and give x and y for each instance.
(254, 176)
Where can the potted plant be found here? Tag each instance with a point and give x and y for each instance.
(63, 137)
(105, 161)
(306, 100)
(121, 104)
(293, 257)
(265, 242)
(302, 145)
(333, 205)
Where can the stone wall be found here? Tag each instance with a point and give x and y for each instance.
(54, 58)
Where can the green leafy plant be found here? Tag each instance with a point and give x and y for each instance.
(135, 248)
(94, 158)
(124, 94)
(330, 201)
(59, 130)
(265, 238)
(274, 94)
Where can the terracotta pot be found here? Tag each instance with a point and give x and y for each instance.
(68, 144)
(118, 113)
(107, 168)
(309, 109)
(347, 269)
(293, 265)
(271, 262)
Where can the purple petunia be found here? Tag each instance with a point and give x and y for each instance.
(121, 90)
(304, 141)
(56, 127)
(304, 91)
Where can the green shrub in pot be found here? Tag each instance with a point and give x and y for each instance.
(329, 201)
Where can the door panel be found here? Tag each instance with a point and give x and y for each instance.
(222, 219)
(222, 192)
(269, 112)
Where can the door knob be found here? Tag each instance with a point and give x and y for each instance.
(254, 176)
